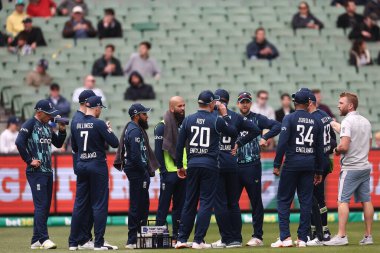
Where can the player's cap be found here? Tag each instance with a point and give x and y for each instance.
(20, 2)
(27, 20)
(43, 63)
(311, 94)
(94, 101)
(207, 97)
(223, 94)
(84, 95)
(244, 96)
(45, 106)
(137, 109)
(13, 120)
(77, 9)
(301, 97)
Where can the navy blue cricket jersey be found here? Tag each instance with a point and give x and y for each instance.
(200, 132)
(89, 136)
(329, 137)
(250, 152)
(301, 141)
(77, 117)
(136, 164)
(34, 143)
(226, 160)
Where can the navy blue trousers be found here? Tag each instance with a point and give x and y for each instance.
(138, 205)
(92, 196)
(201, 186)
(172, 187)
(41, 184)
(319, 195)
(226, 207)
(290, 182)
(250, 179)
(88, 220)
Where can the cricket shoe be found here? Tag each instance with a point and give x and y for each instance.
(234, 244)
(367, 240)
(36, 245)
(314, 243)
(201, 245)
(87, 246)
(131, 246)
(181, 245)
(48, 244)
(218, 244)
(255, 242)
(337, 241)
(299, 243)
(282, 244)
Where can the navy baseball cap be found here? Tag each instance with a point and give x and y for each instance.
(84, 95)
(45, 106)
(136, 109)
(13, 120)
(223, 94)
(207, 97)
(43, 63)
(301, 97)
(94, 101)
(244, 96)
(311, 94)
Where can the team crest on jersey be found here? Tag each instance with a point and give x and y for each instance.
(137, 139)
(283, 128)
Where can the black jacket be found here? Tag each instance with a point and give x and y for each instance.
(143, 91)
(299, 22)
(280, 114)
(101, 63)
(346, 21)
(356, 32)
(113, 31)
(254, 48)
(34, 35)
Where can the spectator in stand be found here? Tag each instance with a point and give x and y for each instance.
(22, 47)
(67, 6)
(39, 77)
(9, 135)
(142, 62)
(14, 21)
(59, 102)
(138, 89)
(35, 37)
(107, 65)
(260, 48)
(359, 54)
(372, 8)
(41, 8)
(78, 27)
(339, 3)
(367, 30)
(109, 26)
(286, 107)
(88, 84)
(261, 106)
(350, 19)
(305, 19)
(320, 106)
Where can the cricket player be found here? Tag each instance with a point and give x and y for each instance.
(172, 187)
(354, 146)
(301, 141)
(202, 132)
(34, 145)
(90, 134)
(249, 165)
(319, 217)
(85, 238)
(226, 208)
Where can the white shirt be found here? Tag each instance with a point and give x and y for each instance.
(7, 142)
(359, 130)
(97, 91)
(267, 111)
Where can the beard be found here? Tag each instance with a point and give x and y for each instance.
(179, 117)
(343, 112)
(143, 124)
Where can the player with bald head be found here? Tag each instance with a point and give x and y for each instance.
(172, 187)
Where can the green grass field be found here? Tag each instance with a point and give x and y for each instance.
(18, 239)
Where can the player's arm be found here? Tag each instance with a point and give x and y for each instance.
(333, 142)
(320, 161)
(265, 123)
(22, 141)
(134, 137)
(107, 133)
(158, 141)
(282, 145)
(58, 139)
(181, 143)
(252, 128)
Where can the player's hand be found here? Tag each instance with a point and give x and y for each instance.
(263, 143)
(35, 163)
(336, 152)
(276, 172)
(181, 173)
(222, 109)
(317, 179)
(234, 150)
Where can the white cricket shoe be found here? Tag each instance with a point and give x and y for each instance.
(314, 243)
(111, 247)
(337, 241)
(255, 242)
(299, 243)
(73, 248)
(36, 245)
(87, 246)
(201, 246)
(282, 244)
(218, 244)
(48, 244)
(234, 244)
(367, 240)
(131, 246)
(181, 245)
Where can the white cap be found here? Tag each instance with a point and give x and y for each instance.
(77, 9)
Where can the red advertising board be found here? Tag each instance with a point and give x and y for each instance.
(16, 197)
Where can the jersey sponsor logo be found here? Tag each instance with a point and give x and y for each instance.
(24, 130)
(137, 139)
(85, 156)
(283, 128)
(306, 120)
(45, 141)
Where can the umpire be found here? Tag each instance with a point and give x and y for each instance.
(172, 187)
(34, 145)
